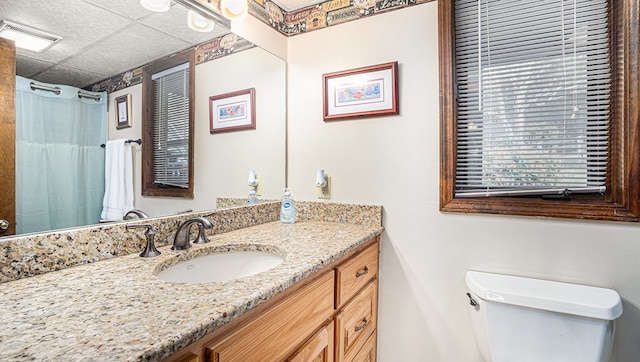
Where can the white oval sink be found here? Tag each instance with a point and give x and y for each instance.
(220, 267)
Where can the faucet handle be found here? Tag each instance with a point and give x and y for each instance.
(202, 236)
(150, 250)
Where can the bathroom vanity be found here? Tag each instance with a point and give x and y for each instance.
(320, 301)
(300, 324)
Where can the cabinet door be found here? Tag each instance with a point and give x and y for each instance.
(356, 322)
(317, 349)
(274, 335)
(355, 274)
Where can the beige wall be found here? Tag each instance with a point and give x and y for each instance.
(222, 161)
(393, 161)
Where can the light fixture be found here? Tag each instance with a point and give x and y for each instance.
(255, 182)
(198, 22)
(321, 180)
(156, 5)
(234, 9)
(26, 37)
(206, 10)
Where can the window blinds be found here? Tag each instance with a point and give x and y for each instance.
(171, 127)
(534, 84)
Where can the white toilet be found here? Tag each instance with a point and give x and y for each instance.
(517, 319)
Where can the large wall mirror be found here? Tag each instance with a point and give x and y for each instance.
(222, 160)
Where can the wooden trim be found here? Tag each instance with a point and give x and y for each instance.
(148, 186)
(631, 99)
(621, 202)
(8, 134)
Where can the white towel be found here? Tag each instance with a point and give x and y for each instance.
(118, 180)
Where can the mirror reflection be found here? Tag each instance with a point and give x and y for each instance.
(222, 161)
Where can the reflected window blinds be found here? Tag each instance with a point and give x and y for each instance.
(171, 127)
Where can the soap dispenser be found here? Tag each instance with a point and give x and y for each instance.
(252, 199)
(287, 209)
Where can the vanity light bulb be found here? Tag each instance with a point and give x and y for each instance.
(321, 181)
(234, 9)
(198, 22)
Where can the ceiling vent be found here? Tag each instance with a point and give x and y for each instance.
(27, 38)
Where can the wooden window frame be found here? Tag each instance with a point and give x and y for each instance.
(149, 188)
(621, 201)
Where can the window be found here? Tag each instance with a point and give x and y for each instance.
(536, 110)
(168, 127)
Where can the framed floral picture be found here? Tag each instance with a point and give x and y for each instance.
(232, 111)
(361, 92)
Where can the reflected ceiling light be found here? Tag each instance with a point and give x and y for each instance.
(198, 22)
(26, 37)
(234, 9)
(156, 5)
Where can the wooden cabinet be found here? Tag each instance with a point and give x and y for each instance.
(318, 349)
(331, 316)
(357, 304)
(368, 351)
(356, 322)
(355, 273)
(275, 334)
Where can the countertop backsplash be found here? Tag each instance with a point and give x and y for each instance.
(29, 255)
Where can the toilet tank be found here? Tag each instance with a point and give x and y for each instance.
(518, 319)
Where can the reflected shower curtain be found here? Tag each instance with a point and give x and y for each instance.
(59, 161)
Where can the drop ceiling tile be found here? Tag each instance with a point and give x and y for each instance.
(77, 22)
(29, 67)
(127, 49)
(69, 76)
(126, 8)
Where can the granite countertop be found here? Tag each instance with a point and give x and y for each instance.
(118, 310)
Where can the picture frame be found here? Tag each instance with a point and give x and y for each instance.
(123, 111)
(232, 111)
(361, 92)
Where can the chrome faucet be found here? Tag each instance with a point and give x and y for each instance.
(139, 213)
(181, 240)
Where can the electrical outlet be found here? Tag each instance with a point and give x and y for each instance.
(259, 187)
(325, 192)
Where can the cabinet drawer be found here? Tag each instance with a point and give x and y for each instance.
(317, 349)
(356, 322)
(355, 274)
(274, 335)
(368, 351)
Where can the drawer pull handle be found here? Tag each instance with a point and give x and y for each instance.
(362, 272)
(362, 325)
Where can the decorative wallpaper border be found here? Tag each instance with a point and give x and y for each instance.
(215, 48)
(322, 15)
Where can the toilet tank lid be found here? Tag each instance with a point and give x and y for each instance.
(574, 299)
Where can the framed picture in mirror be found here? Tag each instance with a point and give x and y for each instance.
(123, 111)
(232, 111)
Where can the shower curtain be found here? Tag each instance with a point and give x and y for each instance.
(59, 161)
